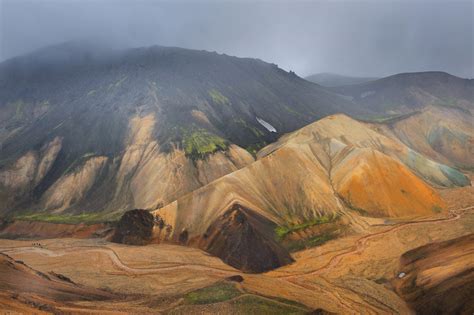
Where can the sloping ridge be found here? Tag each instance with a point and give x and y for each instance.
(381, 186)
(405, 92)
(319, 172)
(443, 134)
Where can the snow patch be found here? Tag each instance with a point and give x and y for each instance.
(266, 125)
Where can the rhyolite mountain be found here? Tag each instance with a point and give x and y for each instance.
(320, 182)
(332, 79)
(233, 155)
(92, 130)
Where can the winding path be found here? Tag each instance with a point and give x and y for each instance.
(361, 243)
(295, 279)
(116, 261)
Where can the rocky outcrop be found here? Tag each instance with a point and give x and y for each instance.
(134, 228)
(244, 240)
(438, 278)
(27, 172)
(74, 186)
(240, 237)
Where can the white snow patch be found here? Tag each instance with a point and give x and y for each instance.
(266, 125)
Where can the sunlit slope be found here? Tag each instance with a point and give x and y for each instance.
(321, 170)
(344, 130)
(379, 185)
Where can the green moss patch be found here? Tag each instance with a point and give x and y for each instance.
(89, 218)
(436, 209)
(254, 148)
(255, 131)
(200, 143)
(219, 292)
(218, 98)
(282, 231)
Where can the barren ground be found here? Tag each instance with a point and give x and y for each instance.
(346, 275)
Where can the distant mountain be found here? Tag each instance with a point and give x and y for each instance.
(86, 130)
(333, 80)
(406, 92)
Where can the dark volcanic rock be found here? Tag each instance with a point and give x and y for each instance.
(236, 278)
(245, 240)
(319, 311)
(134, 228)
(450, 289)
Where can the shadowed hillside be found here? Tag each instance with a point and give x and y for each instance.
(83, 128)
(406, 92)
(438, 278)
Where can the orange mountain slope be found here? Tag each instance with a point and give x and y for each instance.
(306, 174)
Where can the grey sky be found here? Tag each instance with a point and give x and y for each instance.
(366, 38)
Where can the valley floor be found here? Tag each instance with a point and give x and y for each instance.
(353, 274)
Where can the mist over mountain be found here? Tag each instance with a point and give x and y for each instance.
(72, 104)
(190, 157)
(364, 39)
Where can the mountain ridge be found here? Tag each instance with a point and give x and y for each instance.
(113, 120)
(328, 79)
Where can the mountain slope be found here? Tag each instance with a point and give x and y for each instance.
(82, 129)
(443, 134)
(313, 184)
(406, 92)
(334, 80)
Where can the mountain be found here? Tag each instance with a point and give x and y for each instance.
(89, 130)
(445, 134)
(333, 80)
(311, 185)
(407, 92)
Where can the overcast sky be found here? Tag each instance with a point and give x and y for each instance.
(361, 38)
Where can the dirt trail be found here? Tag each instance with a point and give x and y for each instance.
(348, 301)
(116, 261)
(360, 244)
